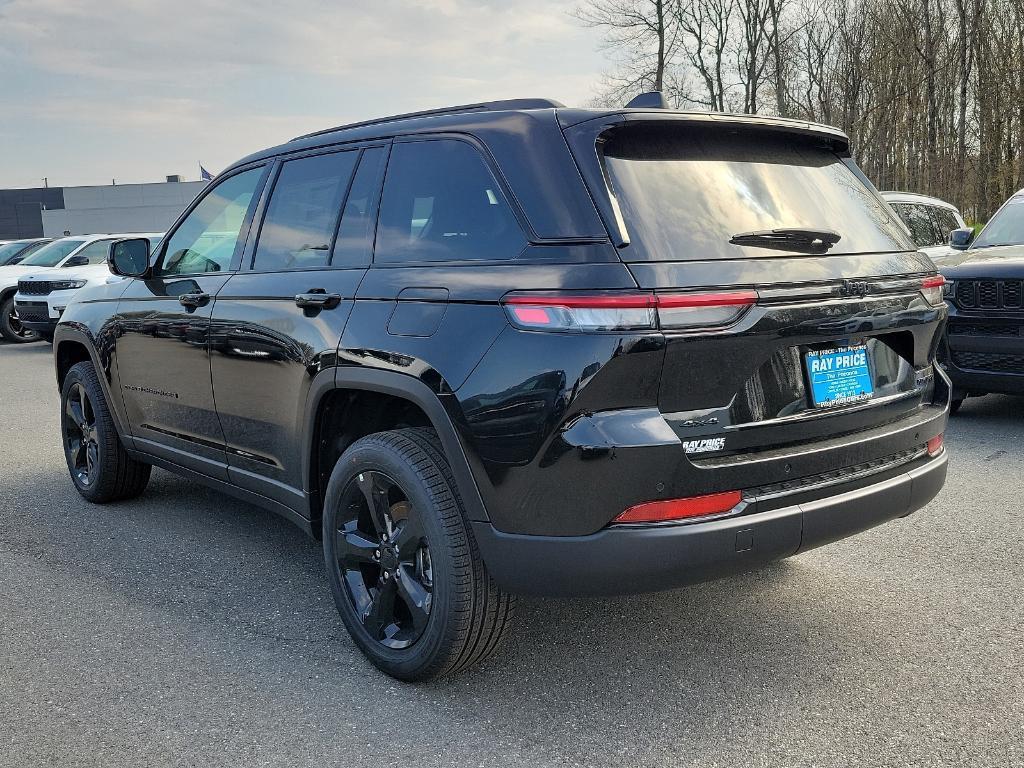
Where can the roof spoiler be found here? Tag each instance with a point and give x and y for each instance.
(649, 100)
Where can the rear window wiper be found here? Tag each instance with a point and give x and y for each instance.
(794, 239)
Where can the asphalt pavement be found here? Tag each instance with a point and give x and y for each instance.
(187, 628)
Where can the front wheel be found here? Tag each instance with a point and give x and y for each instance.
(405, 571)
(101, 469)
(10, 326)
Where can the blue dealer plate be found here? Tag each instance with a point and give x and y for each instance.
(839, 376)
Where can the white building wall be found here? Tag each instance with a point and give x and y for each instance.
(120, 208)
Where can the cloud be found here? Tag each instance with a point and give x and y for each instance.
(219, 78)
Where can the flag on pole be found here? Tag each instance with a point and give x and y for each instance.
(204, 175)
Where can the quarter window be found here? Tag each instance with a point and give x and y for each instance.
(207, 239)
(441, 203)
(303, 212)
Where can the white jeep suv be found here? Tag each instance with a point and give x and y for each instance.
(44, 283)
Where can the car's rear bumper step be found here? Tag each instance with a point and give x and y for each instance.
(622, 560)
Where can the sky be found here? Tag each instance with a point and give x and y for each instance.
(134, 90)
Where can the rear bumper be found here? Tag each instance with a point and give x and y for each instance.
(621, 560)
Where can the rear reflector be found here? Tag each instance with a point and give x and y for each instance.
(680, 509)
(931, 287)
(935, 446)
(627, 311)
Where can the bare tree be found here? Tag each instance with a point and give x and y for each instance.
(643, 33)
(705, 25)
(931, 92)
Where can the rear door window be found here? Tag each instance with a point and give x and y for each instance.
(685, 193)
(304, 209)
(442, 203)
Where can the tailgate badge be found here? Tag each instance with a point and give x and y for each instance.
(854, 288)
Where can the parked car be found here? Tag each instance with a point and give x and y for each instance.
(42, 296)
(63, 253)
(15, 251)
(983, 350)
(1006, 227)
(930, 221)
(519, 348)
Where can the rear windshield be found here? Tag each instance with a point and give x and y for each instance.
(685, 194)
(1006, 227)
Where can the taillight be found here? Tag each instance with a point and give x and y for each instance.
(680, 509)
(626, 311)
(935, 446)
(931, 288)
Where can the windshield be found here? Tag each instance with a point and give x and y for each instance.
(1006, 227)
(10, 250)
(53, 254)
(685, 194)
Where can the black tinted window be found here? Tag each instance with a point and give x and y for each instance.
(355, 234)
(441, 203)
(303, 211)
(685, 193)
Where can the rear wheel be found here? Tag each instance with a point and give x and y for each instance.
(101, 469)
(10, 326)
(404, 568)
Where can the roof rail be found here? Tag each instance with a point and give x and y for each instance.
(484, 106)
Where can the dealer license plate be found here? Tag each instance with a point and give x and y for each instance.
(839, 376)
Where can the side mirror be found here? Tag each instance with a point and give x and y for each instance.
(77, 261)
(961, 238)
(129, 258)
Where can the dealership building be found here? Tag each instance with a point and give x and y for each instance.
(57, 211)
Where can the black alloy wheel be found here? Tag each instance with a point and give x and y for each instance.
(384, 560)
(81, 439)
(404, 569)
(100, 467)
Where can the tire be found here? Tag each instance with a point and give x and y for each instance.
(100, 468)
(10, 328)
(430, 560)
(954, 406)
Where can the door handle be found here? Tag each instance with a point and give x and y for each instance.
(318, 298)
(194, 300)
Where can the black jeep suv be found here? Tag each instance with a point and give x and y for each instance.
(984, 344)
(518, 348)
